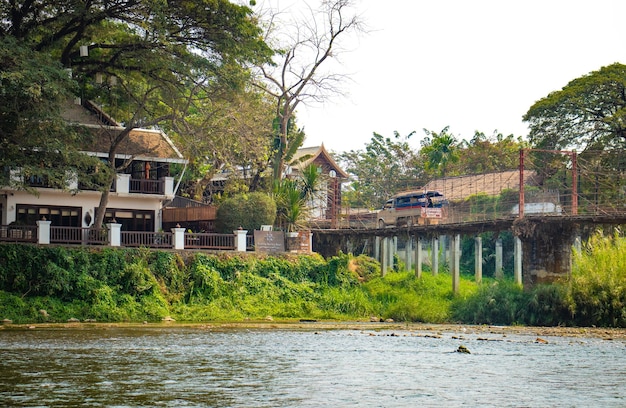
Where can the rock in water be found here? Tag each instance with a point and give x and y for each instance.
(463, 349)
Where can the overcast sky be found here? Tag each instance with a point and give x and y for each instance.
(471, 65)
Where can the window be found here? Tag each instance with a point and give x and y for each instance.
(58, 215)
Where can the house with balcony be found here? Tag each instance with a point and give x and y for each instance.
(136, 197)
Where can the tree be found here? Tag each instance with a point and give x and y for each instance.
(162, 55)
(440, 151)
(294, 196)
(231, 134)
(488, 154)
(588, 113)
(33, 136)
(297, 77)
(248, 211)
(386, 166)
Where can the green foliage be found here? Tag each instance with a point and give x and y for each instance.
(386, 166)
(403, 297)
(588, 113)
(140, 285)
(597, 290)
(248, 211)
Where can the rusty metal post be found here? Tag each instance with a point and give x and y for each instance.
(520, 212)
(574, 185)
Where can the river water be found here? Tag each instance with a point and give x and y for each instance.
(219, 367)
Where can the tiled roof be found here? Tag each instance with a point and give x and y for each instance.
(318, 155)
(140, 143)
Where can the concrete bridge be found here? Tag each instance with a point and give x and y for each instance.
(542, 249)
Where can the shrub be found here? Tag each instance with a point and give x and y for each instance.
(248, 211)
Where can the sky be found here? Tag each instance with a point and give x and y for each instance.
(471, 65)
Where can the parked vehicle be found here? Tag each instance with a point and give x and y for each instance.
(415, 207)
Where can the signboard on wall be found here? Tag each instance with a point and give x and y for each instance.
(269, 241)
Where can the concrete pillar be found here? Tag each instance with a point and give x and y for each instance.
(435, 256)
(383, 255)
(178, 238)
(408, 253)
(240, 240)
(499, 274)
(122, 183)
(578, 244)
(115, 234)
(391, 251)
(43, 232)
(517, 256)
(455, 258)
(168, 186)
(377, 249)
(419, 254)
(478, 259)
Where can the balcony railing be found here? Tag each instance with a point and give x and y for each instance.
(18, 233)
(146, 186)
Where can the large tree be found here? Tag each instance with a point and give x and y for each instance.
(588, 113)
(161, 55)
(488, 154)
(304, 46)
(386, 166)
(34, 89)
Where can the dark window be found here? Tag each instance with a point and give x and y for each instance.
(132, 220)
(59, 216)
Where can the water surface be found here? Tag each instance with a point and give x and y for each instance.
(208, 367)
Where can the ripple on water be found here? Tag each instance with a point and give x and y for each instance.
(192, 367)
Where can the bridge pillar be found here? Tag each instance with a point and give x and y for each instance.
(478, 259)
(408, 252)
(418, 257)
(434, 266)
(499, 274)
(383, 255)
(517, 256)
(455, 261)
(377, 249)
(546, 249)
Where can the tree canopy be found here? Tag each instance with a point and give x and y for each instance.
(588, 113)
(386, 166)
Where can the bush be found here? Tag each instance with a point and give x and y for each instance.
(248, 211)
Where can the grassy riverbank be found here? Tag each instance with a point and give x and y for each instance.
(55, 284)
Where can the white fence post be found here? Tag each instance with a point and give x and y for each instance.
(240, 240)
(115, 234)
(179, 237)
(43, 232)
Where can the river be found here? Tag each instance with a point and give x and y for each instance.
(206, 366)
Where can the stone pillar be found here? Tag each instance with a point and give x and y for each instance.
(499, 274)
(43, 232)
(455, 262)
(168, 186)
(435, 256)
(408, 253)
(115, 234)
(178, 238)
(240, 240)
(377, 249)
(478, 259)
(546, 249)
(384, 258)
(391, 251)
(517, 256)
(418, 257)
(122, 183)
